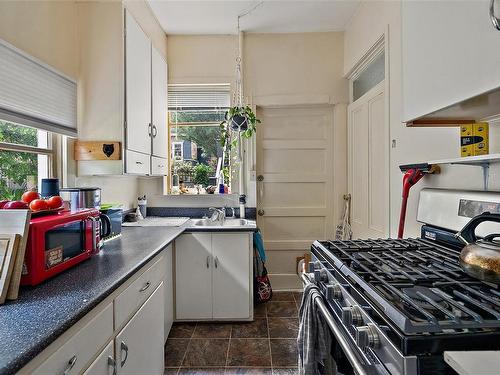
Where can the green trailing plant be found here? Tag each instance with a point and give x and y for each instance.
(225, 126)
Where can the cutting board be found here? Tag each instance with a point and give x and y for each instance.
(9, 244)
(16, 222)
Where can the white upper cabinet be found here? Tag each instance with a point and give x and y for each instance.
(451, 52)
(159, 104)
(137, 87)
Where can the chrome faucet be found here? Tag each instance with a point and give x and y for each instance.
(233, 212)
(218, 214)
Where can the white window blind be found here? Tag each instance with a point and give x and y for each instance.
(207, 96)
(34, 94)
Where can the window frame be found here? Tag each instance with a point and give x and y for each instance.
(53, 152)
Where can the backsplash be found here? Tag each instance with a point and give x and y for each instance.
(196, 212)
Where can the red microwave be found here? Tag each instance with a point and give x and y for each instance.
(58, 242)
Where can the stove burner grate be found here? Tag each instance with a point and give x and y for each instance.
(420, 286)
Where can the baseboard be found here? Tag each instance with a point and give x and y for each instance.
(288, 282)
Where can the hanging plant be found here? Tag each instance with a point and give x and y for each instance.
(241, 120)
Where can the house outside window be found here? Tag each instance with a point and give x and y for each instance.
(195, 112)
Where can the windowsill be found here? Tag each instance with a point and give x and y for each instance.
(202, 195)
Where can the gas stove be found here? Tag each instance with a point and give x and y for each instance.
(401, 303)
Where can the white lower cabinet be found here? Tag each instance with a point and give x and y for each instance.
(193, 276)
(139, 345)
(214, 276)
(105, 363)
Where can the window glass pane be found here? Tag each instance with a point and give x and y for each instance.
(20, 171)
(369, 78)
(23, 135)
(195, 154)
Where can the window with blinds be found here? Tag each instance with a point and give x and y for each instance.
(195, 112)
(198, 97)
(34, 94)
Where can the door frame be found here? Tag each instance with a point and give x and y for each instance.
(380, 46)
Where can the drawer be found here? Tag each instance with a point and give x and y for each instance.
(131, 299)
(159, 166)
(136, 163)
(82, 347)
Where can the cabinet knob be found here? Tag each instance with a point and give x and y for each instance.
(138, 162)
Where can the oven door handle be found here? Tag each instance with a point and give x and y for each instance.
(358, 366)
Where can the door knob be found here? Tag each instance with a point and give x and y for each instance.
(261, 212)
(260, 178)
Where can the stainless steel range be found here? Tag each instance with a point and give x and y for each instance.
(399, 304)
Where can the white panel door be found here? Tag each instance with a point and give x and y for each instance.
(138, 87)
(295, 194)
(139, 345)
(368, 165)
(193, 276)
(159, 102)
(231, 275)
(168, 284)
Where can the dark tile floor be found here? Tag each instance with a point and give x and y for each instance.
(266, 346)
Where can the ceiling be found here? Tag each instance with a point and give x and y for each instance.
(268, 16)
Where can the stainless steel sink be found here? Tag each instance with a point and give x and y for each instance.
(227, 223)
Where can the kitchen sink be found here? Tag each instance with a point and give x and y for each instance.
(227, 223)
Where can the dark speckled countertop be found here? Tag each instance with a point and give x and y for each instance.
(42, 313)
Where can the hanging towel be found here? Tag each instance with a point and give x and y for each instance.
(259, 245)
(314, 339)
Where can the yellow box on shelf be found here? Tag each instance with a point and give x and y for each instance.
(474, 139)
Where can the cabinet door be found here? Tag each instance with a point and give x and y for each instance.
(193, 276)
(168, 284)
(231, 275)
(159, 101)
(139, 346)
(137, 87)
(104, 364)
(450, 53)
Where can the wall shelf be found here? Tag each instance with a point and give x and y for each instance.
(482, 161)
(470, 160)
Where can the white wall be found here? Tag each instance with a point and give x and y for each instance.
(412, 144)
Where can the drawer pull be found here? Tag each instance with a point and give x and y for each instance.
(112, 363)
(208, 261)
(161, 166)
(138, 162)
(70, 365)
(124, 348)
(146, 286)
(216, 262)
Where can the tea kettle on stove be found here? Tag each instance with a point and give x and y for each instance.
(480, 258)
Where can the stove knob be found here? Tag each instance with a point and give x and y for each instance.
(352, 315)
(333, 292)
(367, 337)
(320, 276)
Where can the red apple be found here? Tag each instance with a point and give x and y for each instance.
(3, 203)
